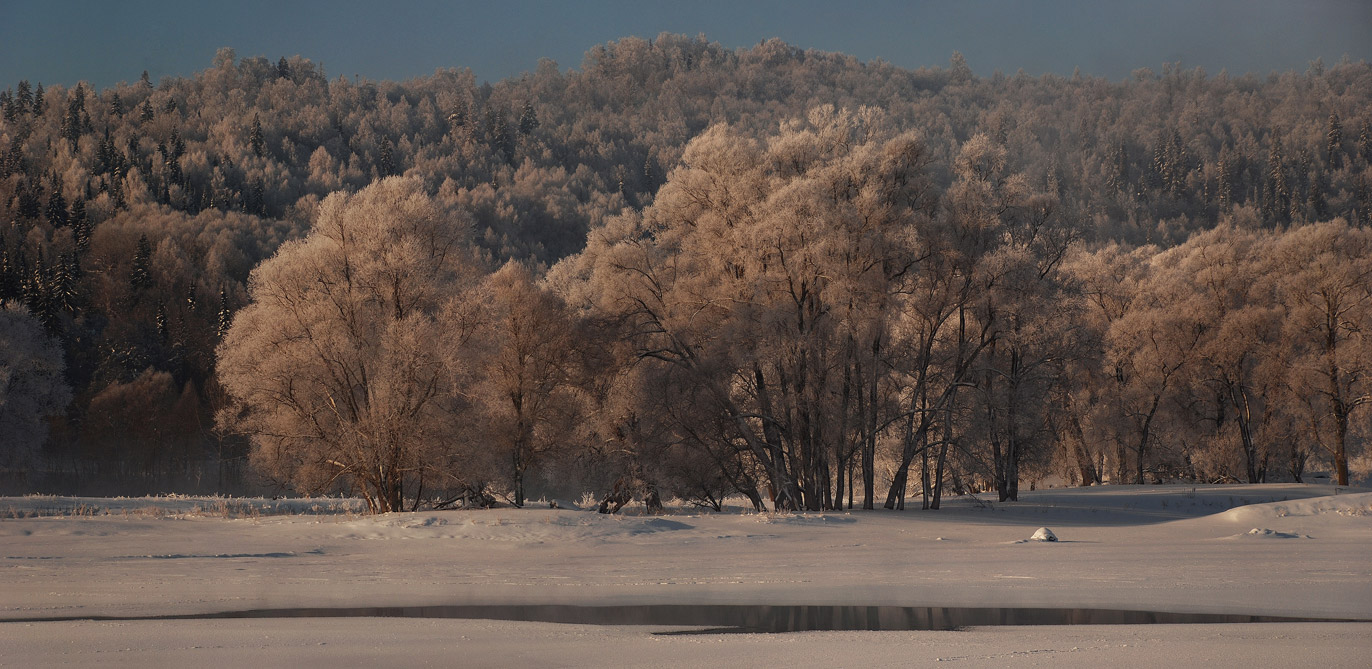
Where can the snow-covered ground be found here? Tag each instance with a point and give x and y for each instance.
(1285, 550)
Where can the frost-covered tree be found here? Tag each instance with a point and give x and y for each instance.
(32, 386)
(757, 268)
(521, 366)
(336, 367)
(1325, 283)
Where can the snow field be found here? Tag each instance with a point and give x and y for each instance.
(1164, 548)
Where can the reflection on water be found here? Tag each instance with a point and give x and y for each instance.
(743, 618)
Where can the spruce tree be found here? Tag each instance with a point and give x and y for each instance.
(528, 120)
(385, 163)
(73, 123)
(225, 315)
(57, 205)
(23, 97)
(8, 107)
(259, 146)
(1365, 142)
(163, 331)
(1334, 141)
(30, 203)
(141, 275)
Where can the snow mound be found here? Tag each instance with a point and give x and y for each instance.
(1263, 532)
(1358, 505)
(1042, 534)
(804, 519)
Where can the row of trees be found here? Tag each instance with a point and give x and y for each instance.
(130, 217)
(796, 319)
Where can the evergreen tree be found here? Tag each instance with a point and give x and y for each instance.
(385, 162)
(1224, 186)
(30, 204)
(8, 108)
(57, 205)
(1276, 199)
(141, 275)
(38, 103)
(63, 289)
(23, 97)
(14, 158)
(73, 123)
(257, 198)
(116, 106)
(225, 318)
(39, 298)
(528, 120)
(457, 119)
(145, 112)
(163, 332)
(259, 147)
(1365, 142)
(501, 137)
(283, 69)
(176, 145)
(80, 228)
(1319, 207)
(11, 285)
(1334, 141)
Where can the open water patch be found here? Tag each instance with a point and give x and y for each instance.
(731, 618)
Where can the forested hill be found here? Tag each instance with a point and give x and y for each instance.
(130, 217)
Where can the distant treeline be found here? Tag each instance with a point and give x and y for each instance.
(131, 217)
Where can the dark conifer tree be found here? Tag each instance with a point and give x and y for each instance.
(13, 161)
(30, 203)
(225, 317)
(457, 119)
(63, 288)
(1365, 142)
(255, 140)
(73, 123)
(1334, 141)
(163, 332)
(23, 97)
(528, 120)
(385, 162)
(141, 275)
(11, 284)
(8, 108)
(57, 205)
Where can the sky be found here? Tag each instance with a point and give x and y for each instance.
(101, 42)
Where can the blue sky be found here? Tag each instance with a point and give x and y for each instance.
(63, 41)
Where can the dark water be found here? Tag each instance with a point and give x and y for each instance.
(743, 618)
